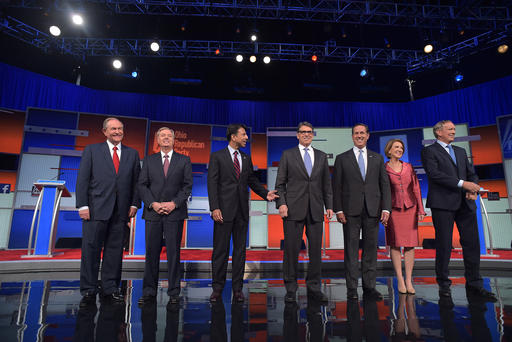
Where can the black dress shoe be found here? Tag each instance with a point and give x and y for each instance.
(113, 298)
(372, 294)
(318, 296)
(238, 297)
(290, 297)
(445, 292)
(352, 294)
(216, 296)
(88, 300)
(146, 299)
(482, 293)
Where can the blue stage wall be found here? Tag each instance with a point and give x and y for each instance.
(477, 105)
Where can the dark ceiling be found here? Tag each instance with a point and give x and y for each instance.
(280, 80)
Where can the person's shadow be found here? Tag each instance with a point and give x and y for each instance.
(218, 330)
(406, 326)
(316, 325)
(111, 326)
(370, 329)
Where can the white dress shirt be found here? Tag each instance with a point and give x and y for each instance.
(365, 157)
(239, 156)
(310, 152)
(163, 155)
(445, 146)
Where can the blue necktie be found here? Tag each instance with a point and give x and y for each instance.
(360, 161)
(307, 161)
(452, 154)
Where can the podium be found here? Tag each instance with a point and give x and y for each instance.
(46, 214)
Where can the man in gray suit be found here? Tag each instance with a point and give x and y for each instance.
(362, 197)
(106, 197)
(303, 184)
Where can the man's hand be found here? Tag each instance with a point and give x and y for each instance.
(471, 196)
(84, 214)
(283, 210)
(158, 208)
(384, 217)
(132, 212)
(168, 207)
(217, 216)
(330, 213)
(341, 218)
(272, 195)
(470, 186)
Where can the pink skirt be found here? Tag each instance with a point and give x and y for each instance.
(402, 228)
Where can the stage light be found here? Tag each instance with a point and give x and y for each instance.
(314, 58)
(254, 37)
(155, 46)
(252, 59)
(503, 48)
(428, 48)
(343, 33)
(266, 59)
(55, 31)
(135, 74)
(458, 77)
(239, 58)
(363, 72)
(117, 64)
(217, 52)
(387, 43)
(183, 27)
(77, 19)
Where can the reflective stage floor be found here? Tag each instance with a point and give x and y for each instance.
(48, 310)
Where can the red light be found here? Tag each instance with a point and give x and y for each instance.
(314, 58)
(217, 52)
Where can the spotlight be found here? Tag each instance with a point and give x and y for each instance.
(314, 58)
(343, 33)
(363, 72)
(77, 19)
(217, 52)
(387, 43)
(503, 48)
(55, 31)
(254, 37)
(155, 46)
(266, 59)
(183, 27)
(428, 48)
(135, 74)
(458, 77)
(117, 64)
(239, 58)
(252, 59)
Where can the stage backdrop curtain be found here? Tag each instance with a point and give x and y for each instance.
(476, 105)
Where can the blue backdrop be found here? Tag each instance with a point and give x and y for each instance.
(477, 105)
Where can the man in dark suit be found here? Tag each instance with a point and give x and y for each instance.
(106, 197)
(303, 184)
(165, 183)
(230, 172)
(362, 197)
(452, 191)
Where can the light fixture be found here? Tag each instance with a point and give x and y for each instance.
(266, 59)
(239, 58)
(458, 77)
(363, 72)
(428, 48)
(154, 46)
(254, 37)
(503, 48)
(252, 59)
(77, 19)
(217, 52)
(55, 31)
(314, 58)
(387, 43)
(117, 64)
(135, 74)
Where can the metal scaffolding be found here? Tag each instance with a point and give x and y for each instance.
(373, 12)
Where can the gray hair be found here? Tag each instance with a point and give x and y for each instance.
(106, 121)
(163, 129)
(439, 126)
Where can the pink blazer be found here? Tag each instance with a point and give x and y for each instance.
(405, 188)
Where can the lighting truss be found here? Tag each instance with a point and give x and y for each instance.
(372, 12)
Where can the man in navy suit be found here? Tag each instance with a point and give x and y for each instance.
(452, 191)
(230, 172)
(106, 197)
(165, 183)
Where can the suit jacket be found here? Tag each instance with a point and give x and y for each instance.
(225, 190)
(405, 188)
(443, 176)
(99, 187)
(298, 190)
(351, 192)
(155, 187)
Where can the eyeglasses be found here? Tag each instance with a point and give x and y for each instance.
(305, 132)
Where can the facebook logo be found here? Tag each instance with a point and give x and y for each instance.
(5, 188)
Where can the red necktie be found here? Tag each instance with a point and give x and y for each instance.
(236, 164)
(115, 158)
(166, 164)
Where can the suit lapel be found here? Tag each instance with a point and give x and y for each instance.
(172, 164)
(108, 157)
(229, 162)
(353, 161)
(300, 162)
(317, 161)
(245, 162)
(123, 160)
(445, 154)
(156, 162)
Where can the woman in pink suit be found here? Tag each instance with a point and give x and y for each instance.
(402, 227)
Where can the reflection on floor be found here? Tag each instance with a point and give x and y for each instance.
(49, 311)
